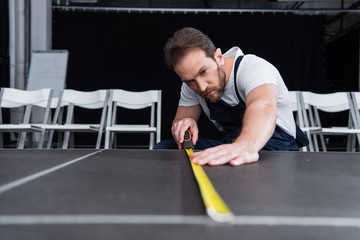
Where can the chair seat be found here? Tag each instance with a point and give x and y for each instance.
(311, 129)
(131, 128)
(338, 131)
(68, 127)
(18, 128)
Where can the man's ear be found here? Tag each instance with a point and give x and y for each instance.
(219, 57)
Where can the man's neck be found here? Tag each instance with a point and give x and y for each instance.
(229, 62)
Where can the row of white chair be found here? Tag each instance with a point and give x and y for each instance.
(308, 107)
(107, 101)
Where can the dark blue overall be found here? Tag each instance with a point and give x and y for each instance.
(231, 118)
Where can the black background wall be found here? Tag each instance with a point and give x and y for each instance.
(122, 50)
(341, 58)
(4, 44)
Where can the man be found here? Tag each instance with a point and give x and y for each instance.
(243, 95)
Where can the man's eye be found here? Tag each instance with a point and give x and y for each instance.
(203, 72)
(189, 81)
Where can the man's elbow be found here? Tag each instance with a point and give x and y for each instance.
(265, 108)
(271, 109)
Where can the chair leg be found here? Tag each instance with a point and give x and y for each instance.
(49, 143)
(316, 143)
(152, 139)
(111, 140)
(351, 143)
(21, 140)
(41, 140)
(107, 139)
(66, 140)
(311, 145)
(323, 144)
(98, 141)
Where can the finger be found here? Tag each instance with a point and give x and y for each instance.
(177, 132)
(207, 153)
(222, 158)
(195, 159)
(244, 160)
(236, 162)
(195, 134)
(210, 154)
(175, 136)
(182, 133)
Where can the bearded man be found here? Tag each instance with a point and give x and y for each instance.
(243, 95)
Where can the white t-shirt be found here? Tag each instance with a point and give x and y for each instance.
(253, 71)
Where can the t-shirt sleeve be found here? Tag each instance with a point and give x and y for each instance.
(188, 97)
(255, 71)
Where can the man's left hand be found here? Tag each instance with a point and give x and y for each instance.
(235, 154)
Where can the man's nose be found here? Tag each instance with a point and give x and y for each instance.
(202, 85)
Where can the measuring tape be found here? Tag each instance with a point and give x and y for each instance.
(216, 208)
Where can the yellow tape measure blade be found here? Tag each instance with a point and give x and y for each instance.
(216, 208)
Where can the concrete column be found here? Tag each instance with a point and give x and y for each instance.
(17, 43)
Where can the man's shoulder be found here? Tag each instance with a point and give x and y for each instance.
(233, 52)
(255, 63)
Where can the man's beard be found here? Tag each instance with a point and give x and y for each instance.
(220, 90)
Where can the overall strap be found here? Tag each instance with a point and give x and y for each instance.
(237, 63)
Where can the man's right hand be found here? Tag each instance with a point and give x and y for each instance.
(179, 128)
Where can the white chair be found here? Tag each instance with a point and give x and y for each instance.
(356, 104)
(297, 108)
(42, 126)
(16, 98)
(134, 100)
(355, 96)
(69, 100)
(329, 103)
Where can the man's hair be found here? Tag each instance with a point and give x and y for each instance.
(184, 40)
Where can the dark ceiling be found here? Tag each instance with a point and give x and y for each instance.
(227, 4)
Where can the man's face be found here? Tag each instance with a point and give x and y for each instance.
(202, 74)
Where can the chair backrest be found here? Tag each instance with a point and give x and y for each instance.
(12, 97)
(294, 101)
(327, 102)
(15, 98)
(356, 104)
(54, 102)
(135, 100)
(85, 99)
(89, 100)
(356, 99)
(298, 108)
